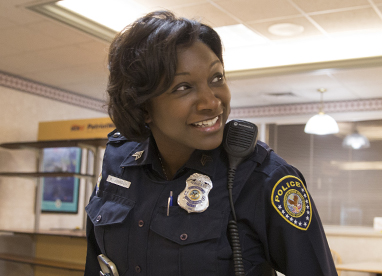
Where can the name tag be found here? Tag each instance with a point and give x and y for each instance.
(118, 181)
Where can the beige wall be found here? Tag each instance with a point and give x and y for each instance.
(20, 114)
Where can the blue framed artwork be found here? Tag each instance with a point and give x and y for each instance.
(60, 194)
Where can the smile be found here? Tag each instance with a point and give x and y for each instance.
(207, 123)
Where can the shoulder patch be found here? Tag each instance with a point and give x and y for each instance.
(291, 200)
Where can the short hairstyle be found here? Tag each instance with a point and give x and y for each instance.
(142, 65)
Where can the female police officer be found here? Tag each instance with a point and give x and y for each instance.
(161, 203)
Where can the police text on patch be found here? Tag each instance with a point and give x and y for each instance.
(291, 200)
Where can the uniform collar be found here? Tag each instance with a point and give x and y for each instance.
(262, 150)
(146, 153)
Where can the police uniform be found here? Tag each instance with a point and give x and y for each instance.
(131, 222)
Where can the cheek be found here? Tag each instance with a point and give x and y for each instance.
(168, 114)
(226, 96)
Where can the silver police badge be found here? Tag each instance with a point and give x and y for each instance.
(194, 198)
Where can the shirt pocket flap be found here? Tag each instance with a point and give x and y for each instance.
(103, 212)
(186, 228)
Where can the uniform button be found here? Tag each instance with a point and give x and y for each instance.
(98, 218)
(117, 134)
(183, 237)
(141, 223)
(138, 269)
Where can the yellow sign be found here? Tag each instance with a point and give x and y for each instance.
(75, 129)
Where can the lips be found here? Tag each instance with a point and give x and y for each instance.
(206, 123)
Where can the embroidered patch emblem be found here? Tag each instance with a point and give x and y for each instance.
(291, 200)
(138, 154)
(194, 198)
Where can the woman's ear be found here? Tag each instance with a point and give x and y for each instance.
(146, 114)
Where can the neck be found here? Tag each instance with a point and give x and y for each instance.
(172, 161)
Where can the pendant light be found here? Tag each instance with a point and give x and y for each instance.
(355, 140)
(321, 123)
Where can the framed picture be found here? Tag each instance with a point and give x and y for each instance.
(60, 194)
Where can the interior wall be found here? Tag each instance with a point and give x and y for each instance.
(20, 114)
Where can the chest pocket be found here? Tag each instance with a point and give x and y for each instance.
(191, 239)
(108, 215)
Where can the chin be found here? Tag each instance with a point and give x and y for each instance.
(212, 144)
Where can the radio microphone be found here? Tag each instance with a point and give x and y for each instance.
(239, 141)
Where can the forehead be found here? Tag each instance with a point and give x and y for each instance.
(198, 54)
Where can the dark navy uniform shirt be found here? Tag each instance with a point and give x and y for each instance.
(127, 216)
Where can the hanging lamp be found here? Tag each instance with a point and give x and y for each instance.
(321, 123)
(355, 140)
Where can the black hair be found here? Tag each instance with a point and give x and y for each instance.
(142, 65)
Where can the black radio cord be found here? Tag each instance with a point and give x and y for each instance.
(233, 230)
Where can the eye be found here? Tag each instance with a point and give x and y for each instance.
(218, 78)
(181, 87)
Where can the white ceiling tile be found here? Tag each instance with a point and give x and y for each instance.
(207, 14)
(6, 23)
(322, 5)
(304, 87)
(352, 20)
(98, 49)
(365, 77)
(249, 10)
(95, 89)
(72, 75)
(91, 83)
(246, 101)
(72, 56)
(18, 14)
(155, 4)
(55, 58)
(7, 50)
(59, 31)
(25, 62)
(26, 40)
(367, 91)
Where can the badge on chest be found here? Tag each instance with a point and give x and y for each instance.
(194, 198)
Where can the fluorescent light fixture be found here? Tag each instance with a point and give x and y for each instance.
(114, 14)
(355, 141)
(321, 123)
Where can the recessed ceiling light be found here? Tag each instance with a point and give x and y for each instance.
(286, 29)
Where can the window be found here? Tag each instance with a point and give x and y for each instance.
(345, 184)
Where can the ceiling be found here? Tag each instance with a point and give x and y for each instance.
(40, 49)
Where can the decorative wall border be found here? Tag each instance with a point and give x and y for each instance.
(49, 92)
(64, 96)
(307, 108)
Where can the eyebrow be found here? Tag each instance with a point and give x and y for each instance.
(187, 73)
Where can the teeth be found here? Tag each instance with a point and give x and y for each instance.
(207, 123)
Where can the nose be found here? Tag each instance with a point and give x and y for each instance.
(207, 99)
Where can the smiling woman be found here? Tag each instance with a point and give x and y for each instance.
(192, 113)
(169, 100)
